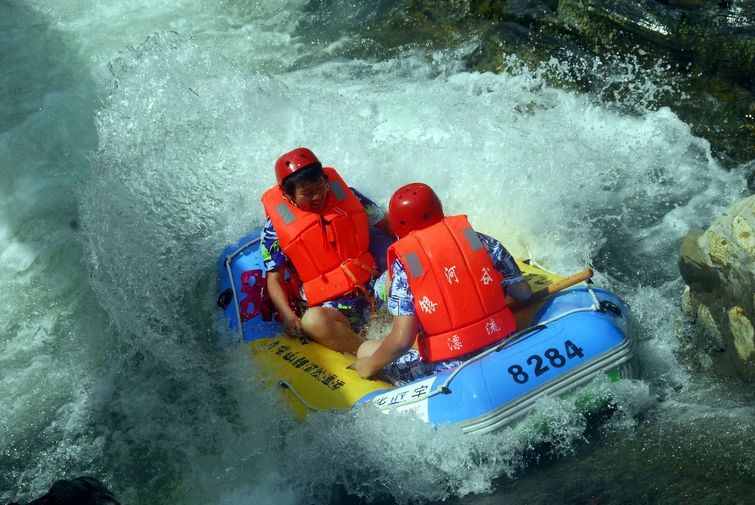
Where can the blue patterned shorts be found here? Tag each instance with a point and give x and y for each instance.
(356, 308)
(411, 367)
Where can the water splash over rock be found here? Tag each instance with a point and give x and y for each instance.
(709, 46)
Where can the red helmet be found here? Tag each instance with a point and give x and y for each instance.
(413, 207)
(293, 161)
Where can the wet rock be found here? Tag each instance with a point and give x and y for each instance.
(694, 263)
(722, 37)
(78, 491)
(686, 3)
(718, 266)
(742, 332)
(529, 11)
(714, 41)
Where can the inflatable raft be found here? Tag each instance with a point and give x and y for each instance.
(564, 342)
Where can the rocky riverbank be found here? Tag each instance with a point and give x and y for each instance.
(718, 265)
(704, 48)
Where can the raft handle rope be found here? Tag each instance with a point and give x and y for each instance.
(519, 335)
(284, 384)
(287, 385)
(233, 283)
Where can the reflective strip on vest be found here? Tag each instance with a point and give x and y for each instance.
(414, 265)
(472, 238)
(338, 191)
(285, 213)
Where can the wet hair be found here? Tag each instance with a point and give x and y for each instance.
(310, 174)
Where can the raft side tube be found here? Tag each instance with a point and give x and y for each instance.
(501, 386)
(620, 359)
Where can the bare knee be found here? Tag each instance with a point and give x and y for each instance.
(315, 321)
(330, 328)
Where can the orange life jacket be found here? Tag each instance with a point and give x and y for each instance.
(458, 296)
(329, 249)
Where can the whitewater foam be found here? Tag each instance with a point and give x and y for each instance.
(140, 390)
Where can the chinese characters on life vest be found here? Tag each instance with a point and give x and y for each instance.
(427, 305)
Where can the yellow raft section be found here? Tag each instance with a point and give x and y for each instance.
(316, 378)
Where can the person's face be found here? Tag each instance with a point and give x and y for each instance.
(311, 196)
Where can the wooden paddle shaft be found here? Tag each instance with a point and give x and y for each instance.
(555, 287)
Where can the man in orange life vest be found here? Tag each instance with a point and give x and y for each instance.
(446, 285)
(320, 226)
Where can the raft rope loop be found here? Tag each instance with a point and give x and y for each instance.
(287, 385)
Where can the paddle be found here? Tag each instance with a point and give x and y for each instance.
(553, 288)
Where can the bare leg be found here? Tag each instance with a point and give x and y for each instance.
(330, 328)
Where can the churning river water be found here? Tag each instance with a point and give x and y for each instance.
(135, 141)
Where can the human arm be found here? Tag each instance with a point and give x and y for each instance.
(396, 343)
(381, 232)
(520, 291)
(376, 215)
(279, 297)
(514, 282)
(385, 225)
(275, 263)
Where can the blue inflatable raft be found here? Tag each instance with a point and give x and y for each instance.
(566, 341)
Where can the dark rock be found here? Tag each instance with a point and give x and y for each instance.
(694, 264)
(529, 11)
(686, 3)
(715, 42)
(78, 491)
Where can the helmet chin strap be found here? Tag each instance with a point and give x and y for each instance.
(293, 202)
(286, 196)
